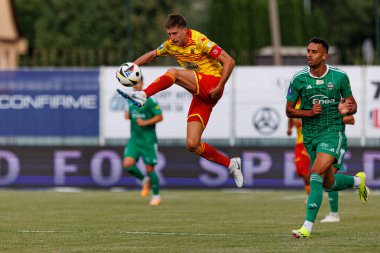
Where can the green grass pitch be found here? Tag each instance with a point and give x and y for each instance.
(187, 221)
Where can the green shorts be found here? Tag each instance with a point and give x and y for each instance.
(333, 143)
(148, 152)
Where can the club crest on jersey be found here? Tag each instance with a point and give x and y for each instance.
(330, 86)
(319, 82)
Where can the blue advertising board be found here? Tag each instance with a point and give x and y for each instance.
(49, 103)
(102, 167)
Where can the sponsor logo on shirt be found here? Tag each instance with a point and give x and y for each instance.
(322, 99)
(191, 65)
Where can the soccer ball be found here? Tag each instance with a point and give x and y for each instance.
(128, 74)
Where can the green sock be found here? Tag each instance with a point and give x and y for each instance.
(134, 171)
(315, 197)
(154, 182)
(333, 200)
(342, 182)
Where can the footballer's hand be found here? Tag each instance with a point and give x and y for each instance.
(344, 106)
(317, 109)
(140, 122)
(289, 132)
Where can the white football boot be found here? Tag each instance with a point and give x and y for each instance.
(137, 97)
(331, 217)
(236, 171)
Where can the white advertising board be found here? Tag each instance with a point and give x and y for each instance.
(253, 105)
(372, 102)
(261, 99)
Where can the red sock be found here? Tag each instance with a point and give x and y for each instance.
(161, 83)
(210, 153)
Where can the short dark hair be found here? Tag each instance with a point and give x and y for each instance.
(318, 40)
(174, 20)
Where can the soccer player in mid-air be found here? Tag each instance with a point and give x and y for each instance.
(326, 97)
(143, 142)
(207, 69)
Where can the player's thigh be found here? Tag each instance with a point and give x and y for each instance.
(149, 154)
(322, 163)
(131, 154)
(339, 163)
(185, 78)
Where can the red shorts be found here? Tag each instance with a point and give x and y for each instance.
(202, 105)
(302, 160)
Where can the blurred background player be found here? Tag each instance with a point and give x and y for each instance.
(301, 157)
(207, 69)
(143, 142)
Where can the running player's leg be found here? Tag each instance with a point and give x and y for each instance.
(149, 155)
(321, 167)
(130, 167)
(131, 155)
(205, 150)
(302, 162)
(155, 185)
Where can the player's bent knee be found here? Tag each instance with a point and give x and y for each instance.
(192, 146)
(173, 71)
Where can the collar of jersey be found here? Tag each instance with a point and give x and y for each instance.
(327, 70)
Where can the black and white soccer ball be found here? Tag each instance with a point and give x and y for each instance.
(129, 74)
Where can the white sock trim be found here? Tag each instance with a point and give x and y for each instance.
(308, 225)
(357, 181)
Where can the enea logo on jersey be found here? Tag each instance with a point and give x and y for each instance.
(161, 47)
(321, 99)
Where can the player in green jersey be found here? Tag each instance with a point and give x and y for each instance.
(326, 97)
(143, 142)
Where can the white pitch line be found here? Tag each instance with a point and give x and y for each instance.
(132, 232)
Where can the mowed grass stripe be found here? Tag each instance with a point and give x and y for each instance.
(187, 221)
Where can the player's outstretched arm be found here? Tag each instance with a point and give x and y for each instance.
(145, 58)
(150, 121)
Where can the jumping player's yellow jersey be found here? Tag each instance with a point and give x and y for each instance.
(199, 54)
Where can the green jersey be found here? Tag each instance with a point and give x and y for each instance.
(147, 134)
(326, 90)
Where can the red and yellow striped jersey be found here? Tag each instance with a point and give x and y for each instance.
(199, 54)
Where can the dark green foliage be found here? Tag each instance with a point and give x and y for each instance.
(99, 32)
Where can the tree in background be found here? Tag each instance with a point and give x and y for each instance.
(347, 25)
(98, 32)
